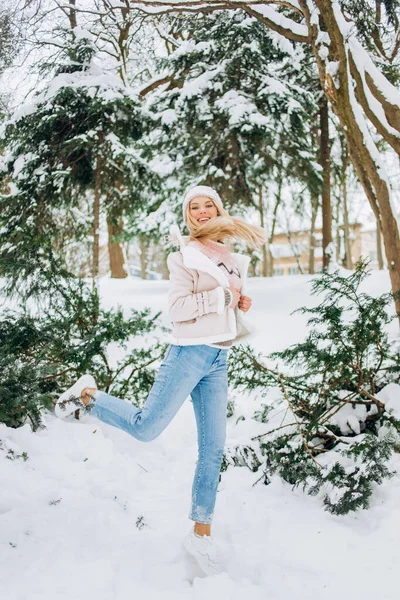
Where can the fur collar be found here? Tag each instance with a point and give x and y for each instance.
(195, 259)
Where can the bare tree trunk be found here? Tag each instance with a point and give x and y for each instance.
(347, 245)
(338, 245)
(270, 255)
(338, 242)
(262, 223)
(278, 199)
(72, 14)
(96, 221)
(325, 160)
(379, 254)
(116, 255)
(346, 224)
(143, 256)
(293, 248)
(313, 241)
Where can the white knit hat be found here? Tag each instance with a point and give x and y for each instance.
(200, 190)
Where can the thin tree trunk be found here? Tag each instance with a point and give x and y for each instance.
(72, 14)
(294, 249)
(347, 245)
(271, 258)
(348, 263)
(116, 255)
(313, 241)
(143, 256)
(262, 223)
(278, 199)
(338, 246)
(379, 254)
(338, 243)
(96, 221)
(325, 160)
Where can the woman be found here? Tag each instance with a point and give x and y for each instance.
(206, 281)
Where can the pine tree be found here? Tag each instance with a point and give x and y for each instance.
(337, 435)
(237, 108)
(74, 144)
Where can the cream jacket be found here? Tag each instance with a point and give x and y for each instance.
(197, 299)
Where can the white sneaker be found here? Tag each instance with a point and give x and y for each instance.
(65, 405)
(204, 551)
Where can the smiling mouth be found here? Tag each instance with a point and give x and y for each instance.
(204, 219)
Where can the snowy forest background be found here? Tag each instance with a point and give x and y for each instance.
(109, 111)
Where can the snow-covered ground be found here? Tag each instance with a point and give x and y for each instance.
(95, 514)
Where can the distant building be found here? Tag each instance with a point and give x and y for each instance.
(291, 251)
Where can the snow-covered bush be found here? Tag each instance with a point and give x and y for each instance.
(337, 420)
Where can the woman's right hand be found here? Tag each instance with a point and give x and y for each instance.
(236, 298)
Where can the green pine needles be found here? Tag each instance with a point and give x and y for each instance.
(330, 430)
(43, 350)
(77, 140)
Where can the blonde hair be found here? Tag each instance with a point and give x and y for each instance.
(225, 227)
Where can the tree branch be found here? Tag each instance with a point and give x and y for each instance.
(279, 23)
(392, 111)
(155, 84)
(268, 15)
(389, 131)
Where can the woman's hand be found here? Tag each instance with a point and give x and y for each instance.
(244, 303)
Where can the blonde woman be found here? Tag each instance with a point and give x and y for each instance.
(205, 301)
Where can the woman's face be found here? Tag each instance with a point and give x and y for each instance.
(202, 209)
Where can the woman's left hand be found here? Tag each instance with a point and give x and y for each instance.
(244, 303)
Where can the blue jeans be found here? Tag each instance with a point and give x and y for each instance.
(196, 370)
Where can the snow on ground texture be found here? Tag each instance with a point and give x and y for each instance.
(96, 514)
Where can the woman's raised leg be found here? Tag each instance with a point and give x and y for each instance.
(183, 367)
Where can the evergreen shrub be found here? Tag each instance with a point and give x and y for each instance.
(45, 348)
(330, 430)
